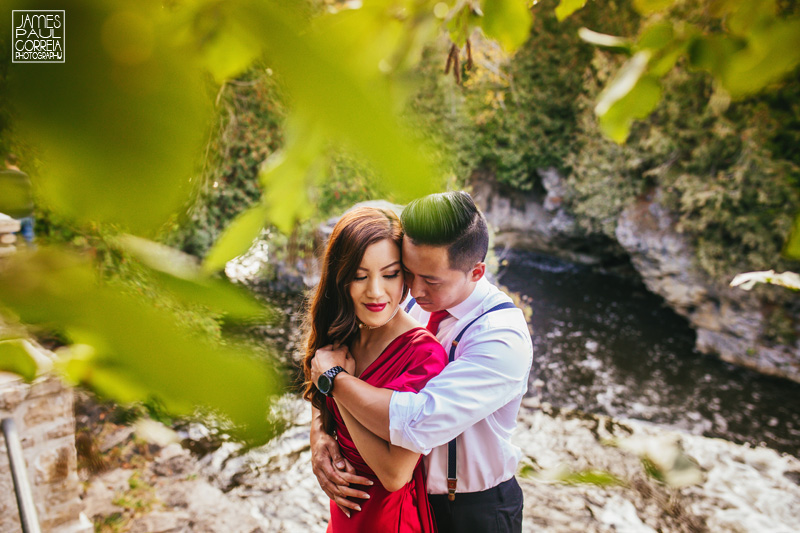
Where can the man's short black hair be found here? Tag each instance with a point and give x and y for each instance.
(448, 219)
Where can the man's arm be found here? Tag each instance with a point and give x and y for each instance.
(491, 371)
(369, 405)
(334, 473)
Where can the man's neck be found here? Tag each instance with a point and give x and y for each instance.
(467, 293)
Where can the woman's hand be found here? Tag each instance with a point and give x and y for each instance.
(328, 357)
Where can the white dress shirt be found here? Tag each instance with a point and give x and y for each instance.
(476, 397)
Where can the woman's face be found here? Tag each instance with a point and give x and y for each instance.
(377, 289)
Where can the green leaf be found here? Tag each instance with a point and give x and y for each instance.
(289, 174)
(666, 59)
(721, 8)
(227, 49)
(638, 103)
(624, 81)
(507, 21)
(15, 358)
(656, 36)
(15, 194)
(526, 470)
(237, 238)
(712, 53)
(667, 45)
(121, 122)
(645, 7)
(351, 106)
(599, 478)
(791, 249)
(286, 180)
(373, 35)
(653, 470)
(134, 350)
(748, 14)
(566, 8)
(218, 295)
(771, 53)
(459, 25)
(604, 40)
(181, 274)
(160, 257)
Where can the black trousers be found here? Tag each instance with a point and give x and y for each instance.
(498, 509)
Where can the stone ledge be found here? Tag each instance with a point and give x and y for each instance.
(45, 422)
(8, 224)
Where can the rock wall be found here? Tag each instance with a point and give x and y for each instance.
(42, 412)
(729, 322)
(539, 221)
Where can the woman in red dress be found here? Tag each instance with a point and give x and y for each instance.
(358, 303)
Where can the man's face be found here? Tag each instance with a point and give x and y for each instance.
(433, 283)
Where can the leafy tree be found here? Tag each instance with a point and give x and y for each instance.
(120, 128)
(747, 46)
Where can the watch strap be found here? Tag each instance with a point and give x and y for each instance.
(331, 374)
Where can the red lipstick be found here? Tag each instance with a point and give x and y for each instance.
(375, 308)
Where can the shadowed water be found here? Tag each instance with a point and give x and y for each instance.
(605, 345)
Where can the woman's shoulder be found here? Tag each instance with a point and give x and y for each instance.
(419, 335)
(421, 341)
(421, 357)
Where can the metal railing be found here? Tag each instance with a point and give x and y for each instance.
(22, 488)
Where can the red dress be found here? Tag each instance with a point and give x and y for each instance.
(407, 363)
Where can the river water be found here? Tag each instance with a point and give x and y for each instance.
(604, 344)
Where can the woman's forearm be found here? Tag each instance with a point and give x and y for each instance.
(393, 465)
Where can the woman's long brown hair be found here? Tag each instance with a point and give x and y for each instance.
(331, 316)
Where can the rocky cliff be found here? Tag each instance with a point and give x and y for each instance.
(738, 326)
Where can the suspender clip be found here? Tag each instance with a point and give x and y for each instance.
(451, 488)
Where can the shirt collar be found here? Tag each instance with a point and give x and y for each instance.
(472, 301)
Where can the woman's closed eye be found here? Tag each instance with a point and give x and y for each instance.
(392, 276)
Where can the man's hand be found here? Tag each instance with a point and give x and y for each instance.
(335, 474)
(328, 357)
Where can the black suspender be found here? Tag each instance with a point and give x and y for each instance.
(452, 477)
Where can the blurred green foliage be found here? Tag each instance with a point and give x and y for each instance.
(280, 113)
(117, 133)
(728, 169)
(247, 128)
(17, 359)
(126, 348)
(747, 47)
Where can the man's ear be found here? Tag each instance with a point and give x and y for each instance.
(477, 271)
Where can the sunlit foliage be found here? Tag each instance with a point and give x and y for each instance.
(124, 133)
(119, 129)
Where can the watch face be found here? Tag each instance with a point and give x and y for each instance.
(324, 384)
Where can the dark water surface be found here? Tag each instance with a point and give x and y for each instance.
(604, 344)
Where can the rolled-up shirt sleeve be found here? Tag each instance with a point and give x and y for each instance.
(490, 371)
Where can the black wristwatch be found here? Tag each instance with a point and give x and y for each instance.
(325, 380)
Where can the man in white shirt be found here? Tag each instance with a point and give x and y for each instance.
(475, 399)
